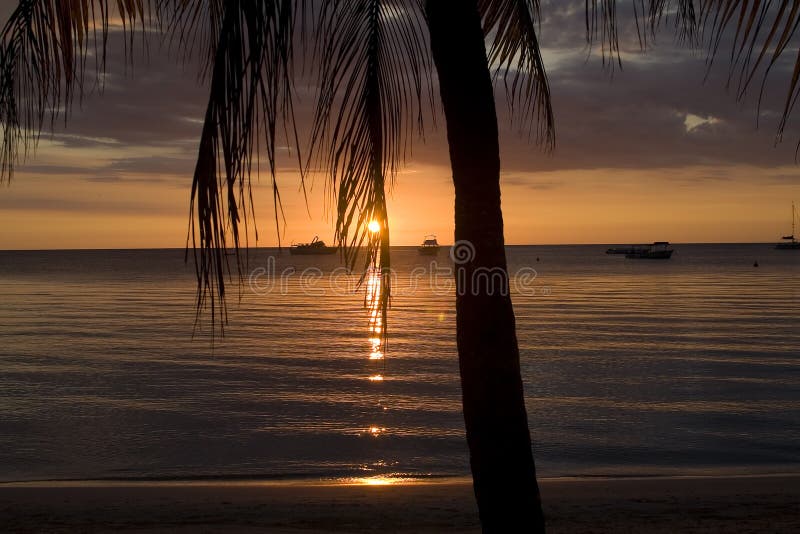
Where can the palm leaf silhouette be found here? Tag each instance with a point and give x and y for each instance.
(43, 55)
(374, 77)
(372, 65)
(250, 94)
(758, 33)
(511, 27)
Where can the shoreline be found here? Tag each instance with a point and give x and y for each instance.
(730, 503)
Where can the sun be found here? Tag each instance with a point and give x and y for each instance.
(374, 227)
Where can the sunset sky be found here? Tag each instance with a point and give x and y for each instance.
(649, 152)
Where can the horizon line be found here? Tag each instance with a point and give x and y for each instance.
(275, 247)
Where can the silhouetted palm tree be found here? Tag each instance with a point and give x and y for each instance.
(372, 62)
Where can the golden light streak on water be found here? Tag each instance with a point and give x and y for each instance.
(703, 339)
(381, 480)
(376, 353)
(375, 324)
(375, 339)
(378, 481)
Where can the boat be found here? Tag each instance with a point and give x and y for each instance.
(659, 250)
(429, 247)
(316, 247)
(633, 249)
(789, 241)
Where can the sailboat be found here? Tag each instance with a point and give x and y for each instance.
(789, 241)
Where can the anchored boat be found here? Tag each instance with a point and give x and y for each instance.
(429, 247)
(627, 250)
(316, 247)
(789, 241)
(660, 250)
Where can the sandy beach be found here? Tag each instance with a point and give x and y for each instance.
(691, 504)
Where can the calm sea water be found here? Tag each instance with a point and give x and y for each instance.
(685, 366)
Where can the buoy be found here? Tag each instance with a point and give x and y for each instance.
(755, 264)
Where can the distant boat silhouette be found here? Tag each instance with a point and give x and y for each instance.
(316, 247)
(429, 247)
(633, 249)
(657, 251)
(789, 241)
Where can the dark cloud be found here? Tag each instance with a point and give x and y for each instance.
(38, 169)
(638, 119)
(528, 182)
(633, 118)
(25, 202)
(152, 104)
(785, 179)
(153, 165)
(126, 179)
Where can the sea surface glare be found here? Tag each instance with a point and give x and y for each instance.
(631, 367)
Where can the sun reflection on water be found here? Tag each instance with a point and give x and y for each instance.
(375, 353)
(375, 340)
(375, 323)
(377, 481)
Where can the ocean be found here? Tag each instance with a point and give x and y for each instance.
(631, 367)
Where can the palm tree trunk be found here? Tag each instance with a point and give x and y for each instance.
(503, 471)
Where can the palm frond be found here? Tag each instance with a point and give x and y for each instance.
(374, 82)
(763, 30)
(193, 28)
(515, 53)
(649, 16)
(602, 24)
(250, 94)
(44, 48)
(758, 33)
(245, 47)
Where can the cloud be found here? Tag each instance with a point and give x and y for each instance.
(127, 179)
(649, 114)
(692, 122)
(662, 110)
(159, 165)
(531, 181)
(785, 179)
(98, 205)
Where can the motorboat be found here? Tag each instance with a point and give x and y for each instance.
(429, 247)
(315, 247)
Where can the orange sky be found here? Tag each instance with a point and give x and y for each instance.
(652, 154)
(596, 206)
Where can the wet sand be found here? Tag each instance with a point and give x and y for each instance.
(653, 505)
